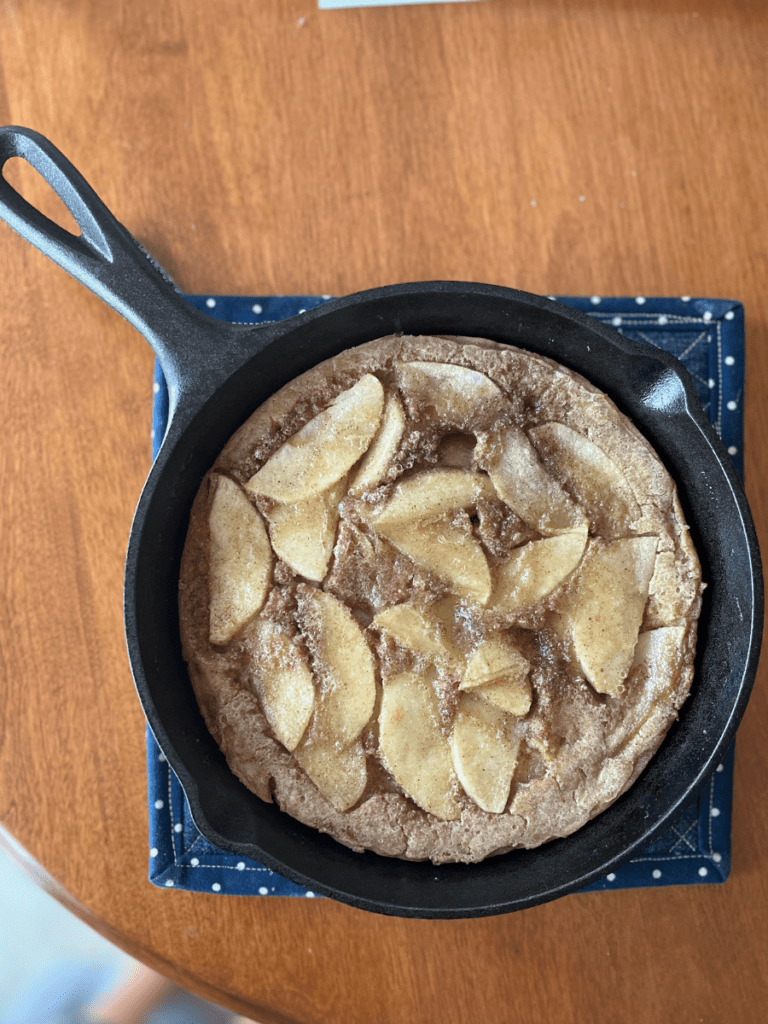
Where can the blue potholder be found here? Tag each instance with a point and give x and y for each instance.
(707, 335)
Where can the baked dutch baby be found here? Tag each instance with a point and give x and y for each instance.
(439, 600)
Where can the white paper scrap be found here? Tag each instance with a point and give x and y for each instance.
(331, 5)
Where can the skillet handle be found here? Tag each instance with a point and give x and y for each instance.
(109, 261)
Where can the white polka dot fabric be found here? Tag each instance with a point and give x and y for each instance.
(707, 335)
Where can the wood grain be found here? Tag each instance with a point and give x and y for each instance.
(265, 148)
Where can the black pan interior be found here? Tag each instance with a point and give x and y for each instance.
(650, 387)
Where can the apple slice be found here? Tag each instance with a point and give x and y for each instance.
(484, 753)
(512, 695)
(655, 666)
(499, 673)
(303, 534)
(659, 652)
(239, 561)
(413, 747)
(376, 460)
(454, 395)
(284, 682)
(595, 479)
(433, 493)
(343, 665)
(445, 550)
(535, 570)
(417, 630)
(325, 449)
(524, 484)
(339, 774)
(676, 582)
(606, 609)
(652, 677)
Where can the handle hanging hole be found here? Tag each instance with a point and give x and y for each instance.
(21, 176)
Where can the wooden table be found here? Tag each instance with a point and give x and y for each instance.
(267, 148)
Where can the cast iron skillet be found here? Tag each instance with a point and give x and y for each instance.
(219, 373)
